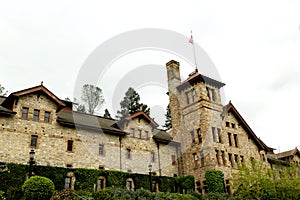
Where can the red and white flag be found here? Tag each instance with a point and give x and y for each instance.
(191, 40)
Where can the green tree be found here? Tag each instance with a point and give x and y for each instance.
(131, 104)
(92, 98)
(38, 187)
(2, 91)
(106, 114)
(254, 181)
(168, 122)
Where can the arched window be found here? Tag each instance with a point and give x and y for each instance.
(101, 184)
(70, 180)
(130, 184)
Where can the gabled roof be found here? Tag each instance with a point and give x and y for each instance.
(262, 146)
(4, 110)
(195, 77)
(140, 114)
(37, 89)
(289, 153)
(87, 121)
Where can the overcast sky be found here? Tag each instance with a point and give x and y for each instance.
(254, 45)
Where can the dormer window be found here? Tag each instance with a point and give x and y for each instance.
(36, 115)
(187, 96)
(25, 113)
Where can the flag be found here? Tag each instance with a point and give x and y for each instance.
(191, 40)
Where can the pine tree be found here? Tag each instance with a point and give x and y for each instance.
(131, 104)
(168, 122)
(106, 114)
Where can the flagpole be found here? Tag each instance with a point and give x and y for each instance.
(192, 41)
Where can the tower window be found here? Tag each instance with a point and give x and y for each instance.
(194, 95)
(36, 115)
(187, 96)
(146, 134)
(199, 135)
(193, 136)
(202, 158)
(173, 160)
(230, 159)
(195, 157)
(213, 134)
(219, 135)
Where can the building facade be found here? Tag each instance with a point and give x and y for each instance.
(205, 134)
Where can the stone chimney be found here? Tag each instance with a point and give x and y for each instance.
(174, 95)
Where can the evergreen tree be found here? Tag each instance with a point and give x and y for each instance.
(168, 122)
(131, 104)
(106, 114)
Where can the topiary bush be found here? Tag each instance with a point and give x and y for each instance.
(38, 187)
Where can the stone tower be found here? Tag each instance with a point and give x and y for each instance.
(196, 112)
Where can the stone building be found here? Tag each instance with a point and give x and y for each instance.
(35, 118)
(205, 134)
(212, 135)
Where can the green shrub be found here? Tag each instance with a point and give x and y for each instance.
(215, 181)
(38, 187)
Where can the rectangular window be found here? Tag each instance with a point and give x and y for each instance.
(70, 145)
(202, 158)
(36, 115)
(187, 96)
(227, 124)
(24, 113)
(139, 134)
(47, 117)
(232, 125)
(195, 157)
(128, 153)
(193, 136)
(219, 135)
(217, 157)
(230, 159)
(152, 156)
(236, 160)
(101, 149)
(213, 93)
(229, 139)
(173, 160)
(223, 157)
(132, 132)
(146, 134)
(33, 141)
(101, 185)
(235, 140)
(208, 93)
(199, 135)
(194, 95)
(213, 134)
(68, 182)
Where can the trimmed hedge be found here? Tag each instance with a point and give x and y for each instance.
(12, 179)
